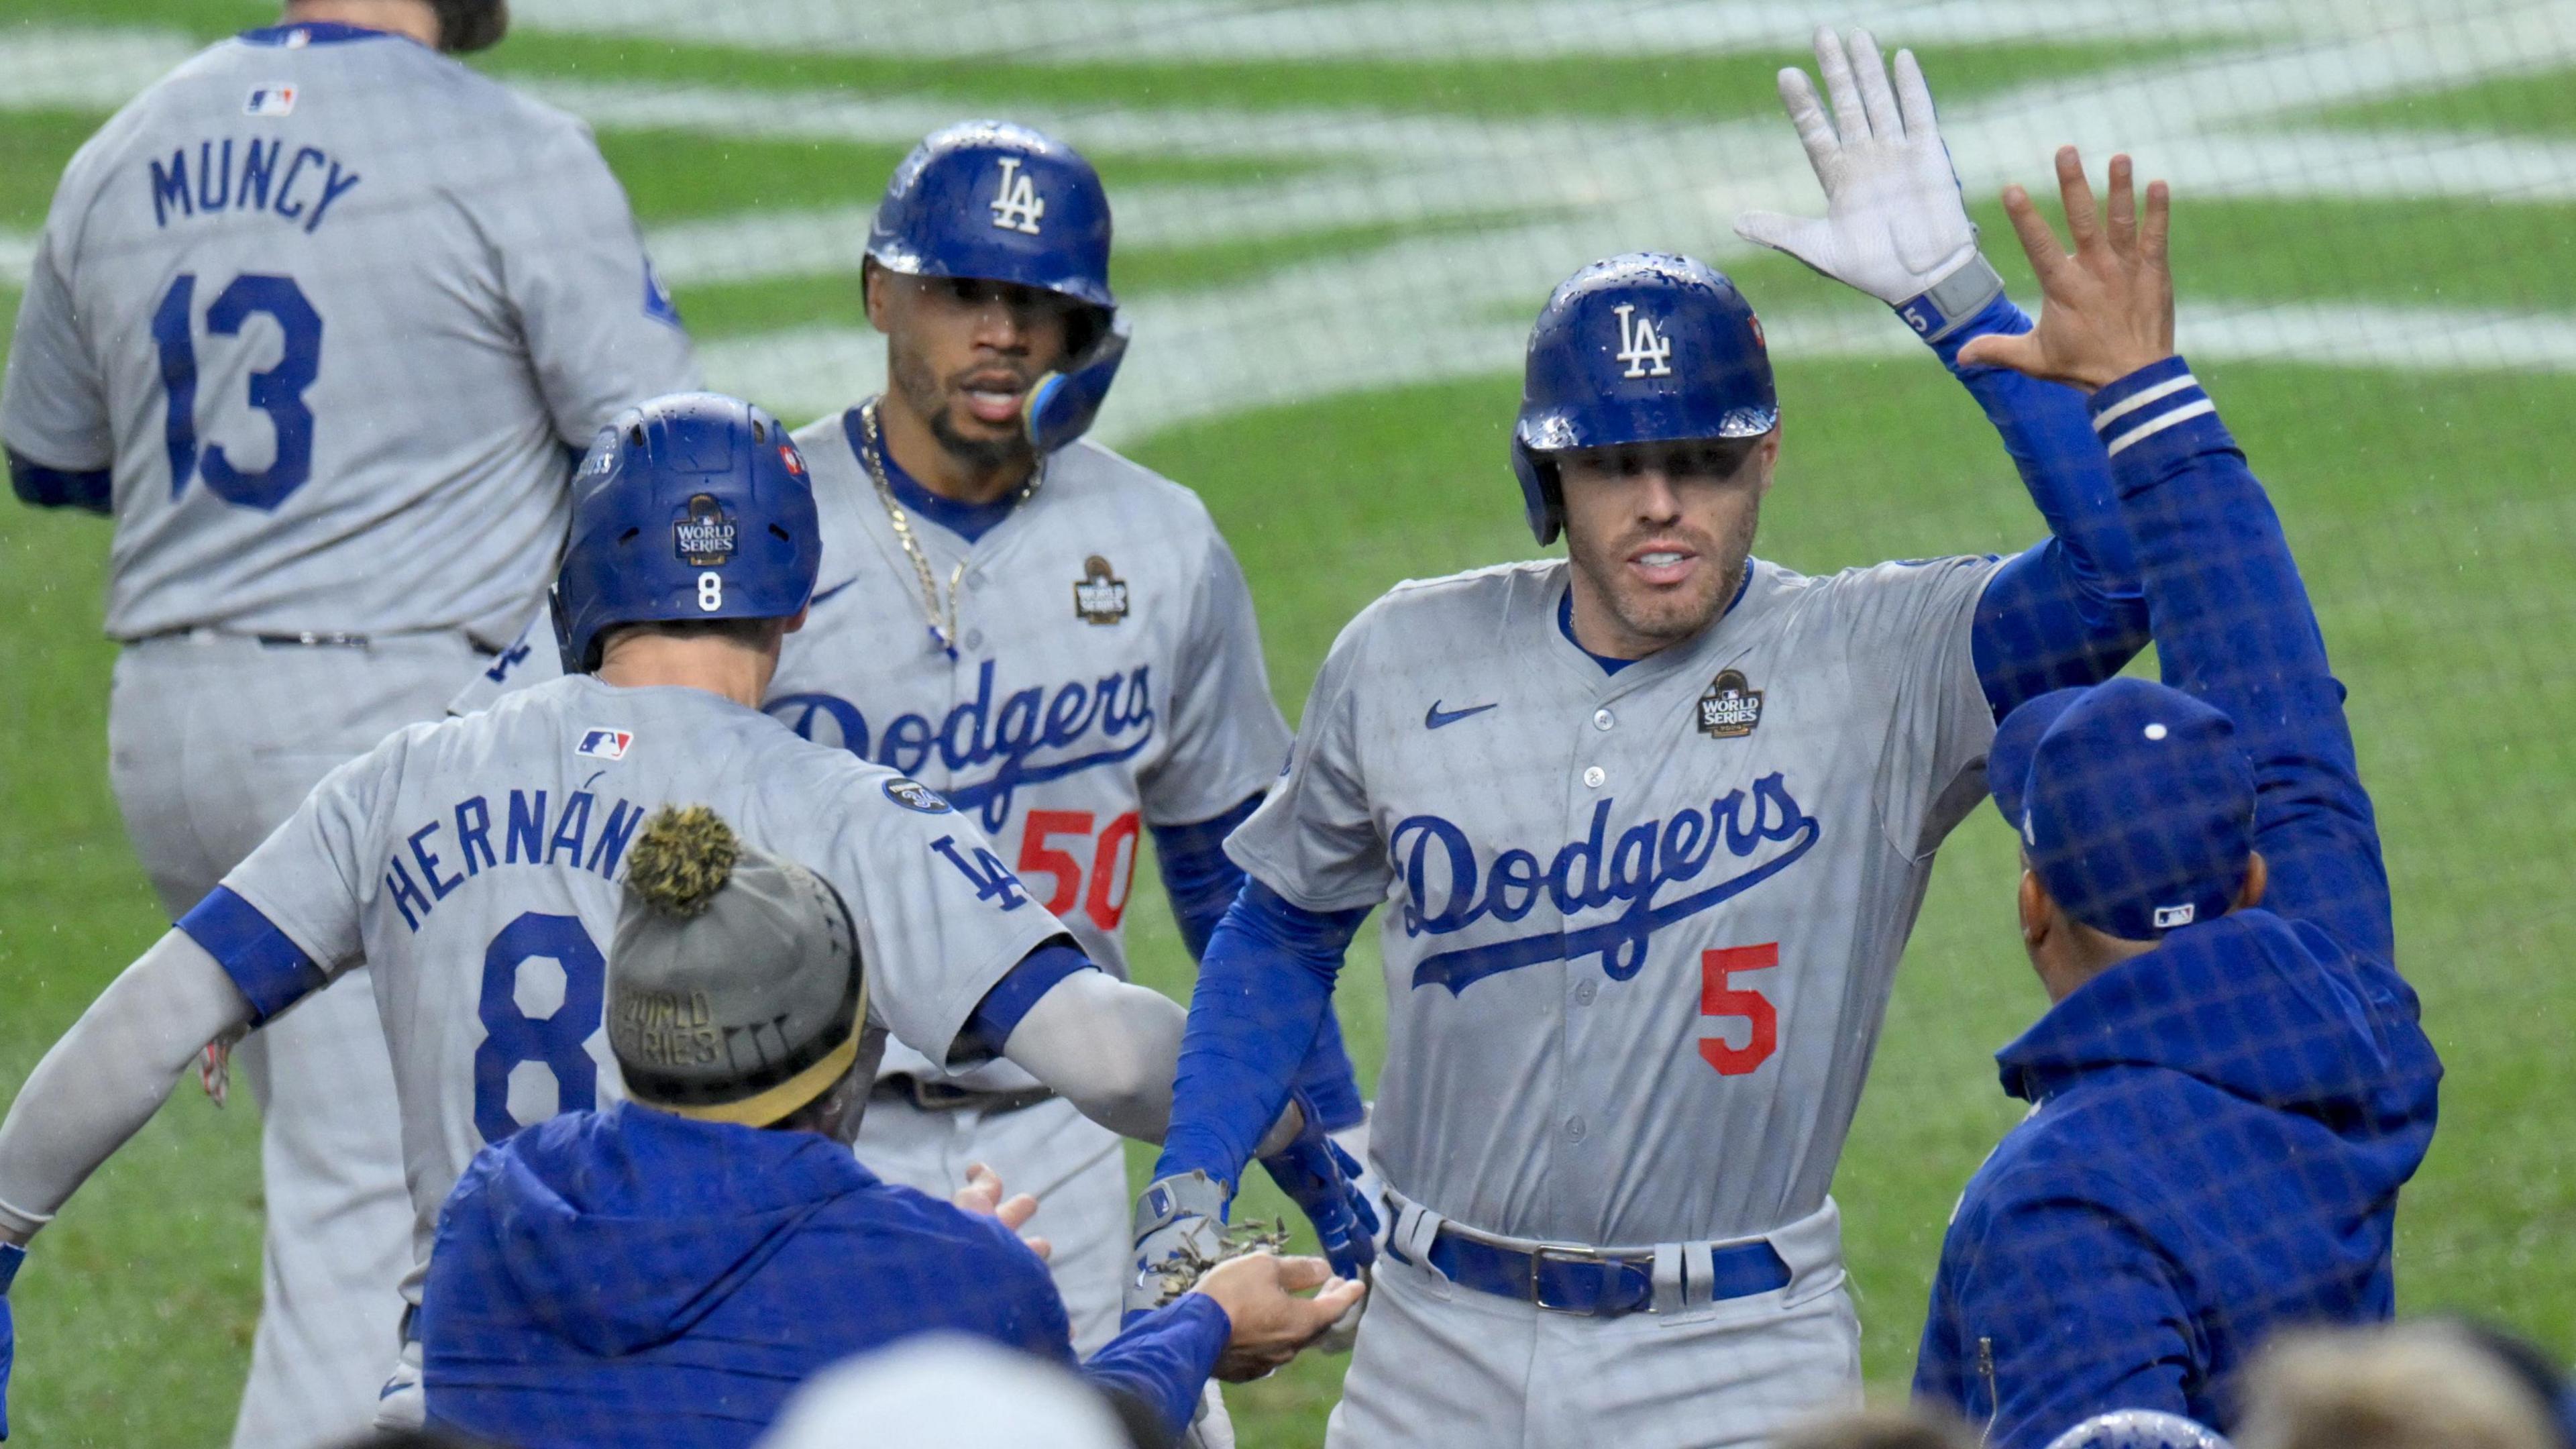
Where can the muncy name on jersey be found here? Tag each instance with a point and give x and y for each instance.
(1007, 736)
(471, 839)
(1451, 884)
(249, 175)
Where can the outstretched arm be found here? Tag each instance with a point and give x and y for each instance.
(2233, 623)
(1202, 883)
(109, 1074)
(2068, 610)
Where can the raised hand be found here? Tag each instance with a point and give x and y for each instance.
(1894, 224)
(2107, 310)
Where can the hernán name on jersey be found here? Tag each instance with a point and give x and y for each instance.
(248, 175)
(449, 851)
(978, 733)
(1450, 884)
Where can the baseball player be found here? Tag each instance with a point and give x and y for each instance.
(323, 319)
(1651, 825)
(1054, 638)
(474, 862)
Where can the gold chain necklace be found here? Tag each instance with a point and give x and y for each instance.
(941, 612)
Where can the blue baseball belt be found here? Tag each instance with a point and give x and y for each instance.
(1584, 1281)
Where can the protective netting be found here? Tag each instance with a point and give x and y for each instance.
(1335, 222)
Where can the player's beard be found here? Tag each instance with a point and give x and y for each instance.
(928, 397)
(1669, 616)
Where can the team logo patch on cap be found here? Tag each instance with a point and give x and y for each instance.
(704, 538)
(795, 462)
(274, 99)
(1731, 708)
(602, 744)
(2168, 917)
(1099, 596)
(914, 795)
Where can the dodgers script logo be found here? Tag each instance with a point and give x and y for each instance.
(1079, 725)
(1647, 352)
(1447, 890)
(1016, 203)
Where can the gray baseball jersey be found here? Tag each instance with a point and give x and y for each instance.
(1108, 673)
(1641, 927)
(330, 307)
(473, 864)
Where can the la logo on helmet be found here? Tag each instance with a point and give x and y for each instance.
(1647, 352)
(1016, 204)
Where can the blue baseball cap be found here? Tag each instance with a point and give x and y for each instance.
(2134, 803)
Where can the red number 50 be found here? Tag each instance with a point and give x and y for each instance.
(1113, 863)
(1720, 997)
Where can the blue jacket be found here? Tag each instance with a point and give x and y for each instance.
(2218, 1127)
(628, 1277)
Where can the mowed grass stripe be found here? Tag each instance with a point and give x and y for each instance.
(2540, 104)
(670, 175)
(734, 309)
(1644, 86)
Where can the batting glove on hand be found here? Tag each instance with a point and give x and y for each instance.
(1895, 225)
(1180, 1230)
(1322, 1180)
(11, 1255)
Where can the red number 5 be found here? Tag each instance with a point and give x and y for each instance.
(1113, 862)
(1720, 997)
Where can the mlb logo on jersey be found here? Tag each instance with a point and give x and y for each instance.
(1099, 596)
(1647, 351)
(704, 538)
(270, 100)
(1731, 708)
(602, 744)
(1016, 203)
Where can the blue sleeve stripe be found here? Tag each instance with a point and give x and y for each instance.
(999, 1013)
(271, 970)
(93, 489)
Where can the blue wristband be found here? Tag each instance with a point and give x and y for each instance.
(11, 1255)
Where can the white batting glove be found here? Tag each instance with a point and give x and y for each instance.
(1895, 225)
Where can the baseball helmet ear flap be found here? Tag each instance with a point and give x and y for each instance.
(1060, 408)
(1542, 494)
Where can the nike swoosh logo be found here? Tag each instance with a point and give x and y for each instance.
(827, 593)
(1438, 716)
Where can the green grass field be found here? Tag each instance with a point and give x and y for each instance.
(2434, 513)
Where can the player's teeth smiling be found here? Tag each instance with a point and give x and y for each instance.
(1658, 560)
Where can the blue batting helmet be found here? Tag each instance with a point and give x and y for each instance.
(1004, 203)
(692, 506)
(1641, 348)
(2139, 1429)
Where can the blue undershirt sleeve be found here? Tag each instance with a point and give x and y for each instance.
(89, 489)
(998, 1014)
(1264, 991)
(1202, 882)
(2070, 610)
(1164, 1360)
